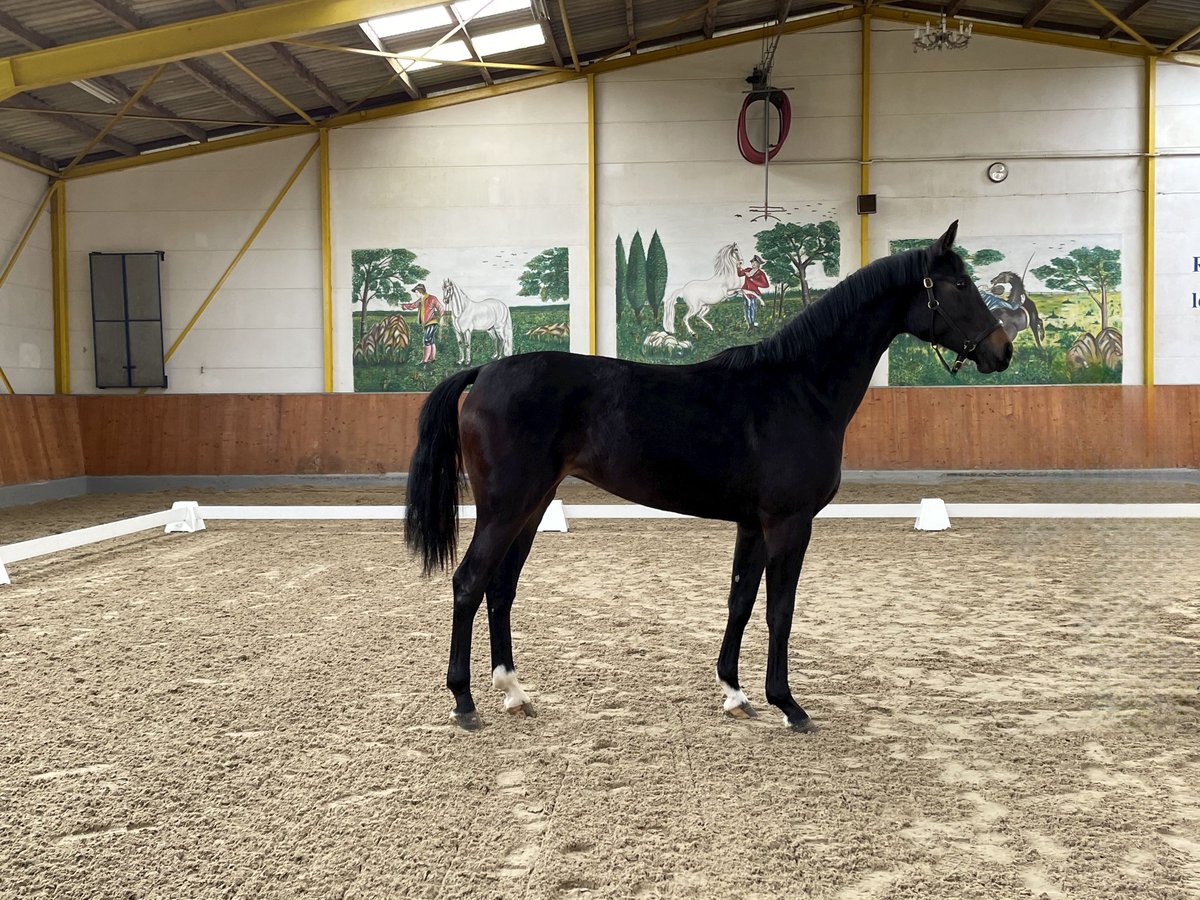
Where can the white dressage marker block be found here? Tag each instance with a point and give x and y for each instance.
(191, 517)
(4, 579)
(932, 515)
(555, 518)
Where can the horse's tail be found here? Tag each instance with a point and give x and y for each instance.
(506, 334)
(669, 311)
(431, 516)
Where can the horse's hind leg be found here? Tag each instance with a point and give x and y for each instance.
(500, 594)
(479, 565)
(749, 560)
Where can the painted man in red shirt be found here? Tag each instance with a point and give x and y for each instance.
(755, 281)
(429, 316)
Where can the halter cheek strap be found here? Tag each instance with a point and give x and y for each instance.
(969, 345)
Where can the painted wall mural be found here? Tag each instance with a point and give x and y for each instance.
(1059, 300)
(696, 286)
(420, 315)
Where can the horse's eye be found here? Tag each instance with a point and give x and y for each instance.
(961, 283)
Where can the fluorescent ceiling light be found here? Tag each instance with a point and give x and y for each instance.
(506, 41)
(408, 22)
(481, 9)
(451, 51)
(96, 91)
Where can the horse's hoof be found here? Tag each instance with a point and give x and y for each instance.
(742, 711)
(805, 726)
(468, 721)
(523, 709)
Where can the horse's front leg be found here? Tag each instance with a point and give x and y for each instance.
(786, 543)
(749, 560)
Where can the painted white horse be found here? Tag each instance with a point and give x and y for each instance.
(702, 293)
(468, 316)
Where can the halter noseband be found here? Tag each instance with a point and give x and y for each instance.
(935, 309)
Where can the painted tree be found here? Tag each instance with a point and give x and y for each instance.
(1094, 270)
(790, 248)
(635, 277)
(971, 259)
(656, 275)
(622, 293)
(547, 276)
(382, 275)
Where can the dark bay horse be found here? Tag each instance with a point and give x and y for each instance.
(752, 436)
(1016, 311)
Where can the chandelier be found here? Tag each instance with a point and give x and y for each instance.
(928, 38)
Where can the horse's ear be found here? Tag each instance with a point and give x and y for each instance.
(945, 243)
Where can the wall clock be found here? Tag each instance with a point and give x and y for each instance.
(997, 172)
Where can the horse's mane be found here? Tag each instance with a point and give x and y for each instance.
(813, 326)
(724, 258)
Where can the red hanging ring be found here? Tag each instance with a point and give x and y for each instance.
(750, 153)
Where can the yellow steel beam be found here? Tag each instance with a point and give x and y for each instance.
(593, 211)
(241, 140)
(58, 257)
(665, 29)
(184, 40)
(111, 124)
(1120, 24)
(725, 40)
(864, 162)
(427, 56)
(33, 220)
(1148, 225)
(562, 12)
(1176, 44)
(242, 252)
(250, 73)
(441, 101)
(26, 164)
(1014, 32)
(140, 117)
(326, 260)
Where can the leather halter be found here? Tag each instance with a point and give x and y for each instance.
(969, 345)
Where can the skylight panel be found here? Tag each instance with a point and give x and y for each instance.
(481, 9)
(408, 22)
(507, 41)
(451, 51)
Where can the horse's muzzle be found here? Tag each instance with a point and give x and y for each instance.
(994, 352)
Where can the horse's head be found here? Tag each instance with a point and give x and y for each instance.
(1004, 284)
(727, 258)
(946, 310)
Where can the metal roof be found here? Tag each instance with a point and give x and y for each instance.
(281, 82)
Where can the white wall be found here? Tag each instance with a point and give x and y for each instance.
(26, 310)
(262, 331)
(502, 175)
(1177, 279)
